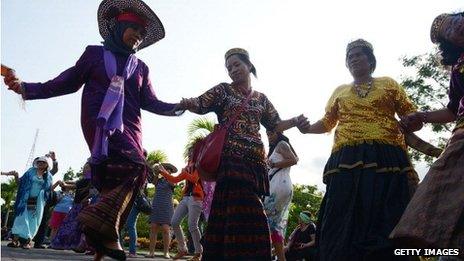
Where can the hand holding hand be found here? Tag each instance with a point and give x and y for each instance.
(187, 104)
(158, 168)
(412, 122)
(303, 124)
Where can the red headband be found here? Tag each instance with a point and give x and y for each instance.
(131, 17)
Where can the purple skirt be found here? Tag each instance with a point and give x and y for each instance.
(69, 234)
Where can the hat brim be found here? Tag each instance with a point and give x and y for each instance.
(110, 9)
(169, 167)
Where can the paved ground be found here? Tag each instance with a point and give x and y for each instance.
(8, 253)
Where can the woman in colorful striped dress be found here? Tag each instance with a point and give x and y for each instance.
(237, 226)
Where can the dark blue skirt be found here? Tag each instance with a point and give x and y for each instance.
(367, 191)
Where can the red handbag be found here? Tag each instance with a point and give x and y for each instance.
(210, 148)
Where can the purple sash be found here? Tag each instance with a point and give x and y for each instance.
(109, 119)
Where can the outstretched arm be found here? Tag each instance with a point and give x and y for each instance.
(67, 82)
(316, 128)
(207, 102)
(59, 182)
(12, 173)
(151, 103)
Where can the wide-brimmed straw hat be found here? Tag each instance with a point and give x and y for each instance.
(110, 9)
(168, 166)
(436, 26)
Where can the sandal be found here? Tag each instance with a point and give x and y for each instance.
(26, 246)
(13, 244)
(196, 257)
(179, 255)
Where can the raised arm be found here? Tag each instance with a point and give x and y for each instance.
(171, 178)
(52, 156)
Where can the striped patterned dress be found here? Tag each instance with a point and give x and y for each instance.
(162, 208)
(237, 226)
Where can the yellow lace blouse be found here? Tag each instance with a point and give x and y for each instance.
(367, 119)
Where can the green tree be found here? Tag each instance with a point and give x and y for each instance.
(9, 192)
(70, 175)
(305, 197)
(157, 156)
(427, 84)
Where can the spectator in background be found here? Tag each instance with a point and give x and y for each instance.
(302, 240)
(131, 223)
(190, 206)
(69, 234)
(62, 208)
(40, 237)
(34, 189)
(162, 211)
(281, 158)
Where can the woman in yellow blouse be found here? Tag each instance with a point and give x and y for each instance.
(369, 176)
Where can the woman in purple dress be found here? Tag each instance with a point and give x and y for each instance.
(434, 217)
(117, 87)
(69, 234)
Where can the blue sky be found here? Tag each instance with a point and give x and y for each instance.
(297, 47)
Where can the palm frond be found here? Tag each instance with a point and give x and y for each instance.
(192, 141)
(157, 156)
(202, 125)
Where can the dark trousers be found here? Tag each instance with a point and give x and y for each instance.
(43, 228)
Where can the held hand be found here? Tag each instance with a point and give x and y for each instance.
(412, 122)
(187, 104)
(158, 168)
(303, 124)
(13, 82)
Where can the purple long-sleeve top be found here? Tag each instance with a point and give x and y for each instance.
(89, 71)
(456, 92)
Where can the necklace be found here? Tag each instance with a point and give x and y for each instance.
(361, 92)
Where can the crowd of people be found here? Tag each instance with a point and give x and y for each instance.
(373, 201)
